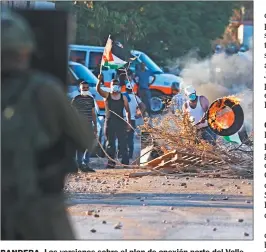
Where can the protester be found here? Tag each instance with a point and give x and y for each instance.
(178, 99)
(125, 79)
(115, 126)
(218, 49)
(134, 104)
(144, 85)
(84, 103)
(121, 76)
(196, 107)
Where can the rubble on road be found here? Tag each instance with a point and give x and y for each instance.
(171, 145)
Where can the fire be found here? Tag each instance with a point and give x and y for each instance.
(220, 115)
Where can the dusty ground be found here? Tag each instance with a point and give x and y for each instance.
(110, 205)
(117, 181)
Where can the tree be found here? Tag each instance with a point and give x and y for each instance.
(98, 20)
(243, 11)
(163, 30)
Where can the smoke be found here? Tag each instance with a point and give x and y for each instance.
(218, 76)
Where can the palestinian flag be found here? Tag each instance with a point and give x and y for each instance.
(109, 59)
(233, 138)
(241, 137)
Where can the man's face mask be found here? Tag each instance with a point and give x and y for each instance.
(84, 90)
(115, 89)
(192, 97)
(84, 93)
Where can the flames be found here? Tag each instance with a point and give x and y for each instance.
(220, 115)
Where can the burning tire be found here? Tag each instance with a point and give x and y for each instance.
(225, 116)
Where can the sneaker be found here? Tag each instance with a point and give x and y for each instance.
(86, 168)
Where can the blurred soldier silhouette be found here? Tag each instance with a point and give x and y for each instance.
(39, 132)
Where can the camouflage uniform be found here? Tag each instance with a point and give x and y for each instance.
(40, 132)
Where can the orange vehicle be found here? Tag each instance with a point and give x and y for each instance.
(90, 56)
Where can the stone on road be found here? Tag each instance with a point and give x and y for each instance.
(166, 216)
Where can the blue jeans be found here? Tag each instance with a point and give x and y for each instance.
(82, 157)
(208, 135)
(145, 97)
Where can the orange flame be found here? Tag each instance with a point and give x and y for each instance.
(221, 116)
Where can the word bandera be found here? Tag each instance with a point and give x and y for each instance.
(19, 250)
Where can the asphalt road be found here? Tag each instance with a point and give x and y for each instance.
(161, 216)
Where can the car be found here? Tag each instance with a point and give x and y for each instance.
(90, 56)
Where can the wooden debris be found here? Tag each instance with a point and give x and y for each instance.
(159, 160)
(184, 151)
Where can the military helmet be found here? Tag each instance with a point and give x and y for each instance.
(16, 32)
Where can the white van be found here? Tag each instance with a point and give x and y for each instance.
(91, 56)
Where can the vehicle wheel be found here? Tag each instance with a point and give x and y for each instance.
(157, 102)
(238, 118)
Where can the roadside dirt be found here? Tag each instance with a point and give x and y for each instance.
(117, 181)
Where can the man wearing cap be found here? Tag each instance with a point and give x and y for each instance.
(178, 98)
(196, 107)
(134, 103)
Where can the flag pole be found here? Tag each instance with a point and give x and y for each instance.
(102, 56)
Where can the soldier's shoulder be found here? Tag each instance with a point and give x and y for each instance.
(45, 79)
(46, 85)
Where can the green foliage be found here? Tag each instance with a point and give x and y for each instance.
(164, 30)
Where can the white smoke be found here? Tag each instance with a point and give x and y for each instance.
(219, 76)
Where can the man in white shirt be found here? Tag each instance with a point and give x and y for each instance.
(178, 98)
(196, 107)
(135, 104)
